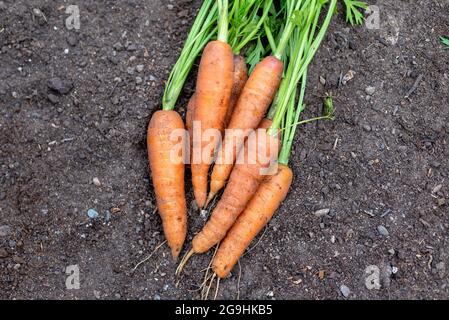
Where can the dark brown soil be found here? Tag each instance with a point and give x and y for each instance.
(383, 161)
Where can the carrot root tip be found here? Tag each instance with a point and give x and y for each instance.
(183, 262)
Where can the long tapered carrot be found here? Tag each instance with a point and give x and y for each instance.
(168, 176)
(252, 105)
(258, 212)
(213, 94)
(243, 183)
(167, 166)
(240, 76)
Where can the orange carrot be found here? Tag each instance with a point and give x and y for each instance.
(168, 177)
(258, 153)
(239, 80)
(252, 105)
(213, 93)
(258, 212)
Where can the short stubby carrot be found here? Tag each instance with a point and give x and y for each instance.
(259, 211)
(167, 174)
(260, 151)
(256, 97)
(213, 93)
(239, 80)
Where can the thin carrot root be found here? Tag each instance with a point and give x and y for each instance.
(206, 289)
(183, 262)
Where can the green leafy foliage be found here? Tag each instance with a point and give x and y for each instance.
(445, 42)
(354, 16)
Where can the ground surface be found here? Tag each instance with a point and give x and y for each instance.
(383, 162)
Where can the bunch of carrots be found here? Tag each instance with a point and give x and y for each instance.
(240, 122)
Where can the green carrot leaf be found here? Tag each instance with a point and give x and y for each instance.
(353, 14)
(445, 41)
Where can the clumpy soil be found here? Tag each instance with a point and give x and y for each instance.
(75, 105)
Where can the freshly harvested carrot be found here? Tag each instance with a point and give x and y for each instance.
(168, 177)
(274, 189)
(252, 105)
(239, 80)
(240, 76)
(167, 167)
(213, 94)
(259, 152)
(243, 183)
(258, 213)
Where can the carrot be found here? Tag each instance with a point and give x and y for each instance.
(213, 94)
(240, 76)
(243, 183)
(167, 168)
(168, 177)
(252, 105)
(274, 189)
(189, 121)
(239, 80)
(258, 212)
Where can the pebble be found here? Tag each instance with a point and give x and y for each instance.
(5, 231)
(170, 6)
(130, 70)
(152, 78)
(91, 213)
(3, 253)
(53, 98)
(370, 90)
(131, 47)
(345, 291)
(383, 231)
(118, 46)
(367, 127)
(140, 67)
(322, 212)
(96, 181)
(270, 294)
(157, 297)
(97, 294)
(437, 188)
(139, 80)
(59, 85)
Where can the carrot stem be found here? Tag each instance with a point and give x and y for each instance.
(201, 32)
(223, 20)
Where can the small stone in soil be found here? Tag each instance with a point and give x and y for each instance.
(118, 46)
(345, 291)
(96, 181)
(3, 253)
(370, 90)
(5, 231)
(59, 85)
(367, 127)
(53, 98)
(322, 212)
(140, 67)
(383, 231)
(91, 213)
(139, 80)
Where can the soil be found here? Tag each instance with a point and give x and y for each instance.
(74, 107)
